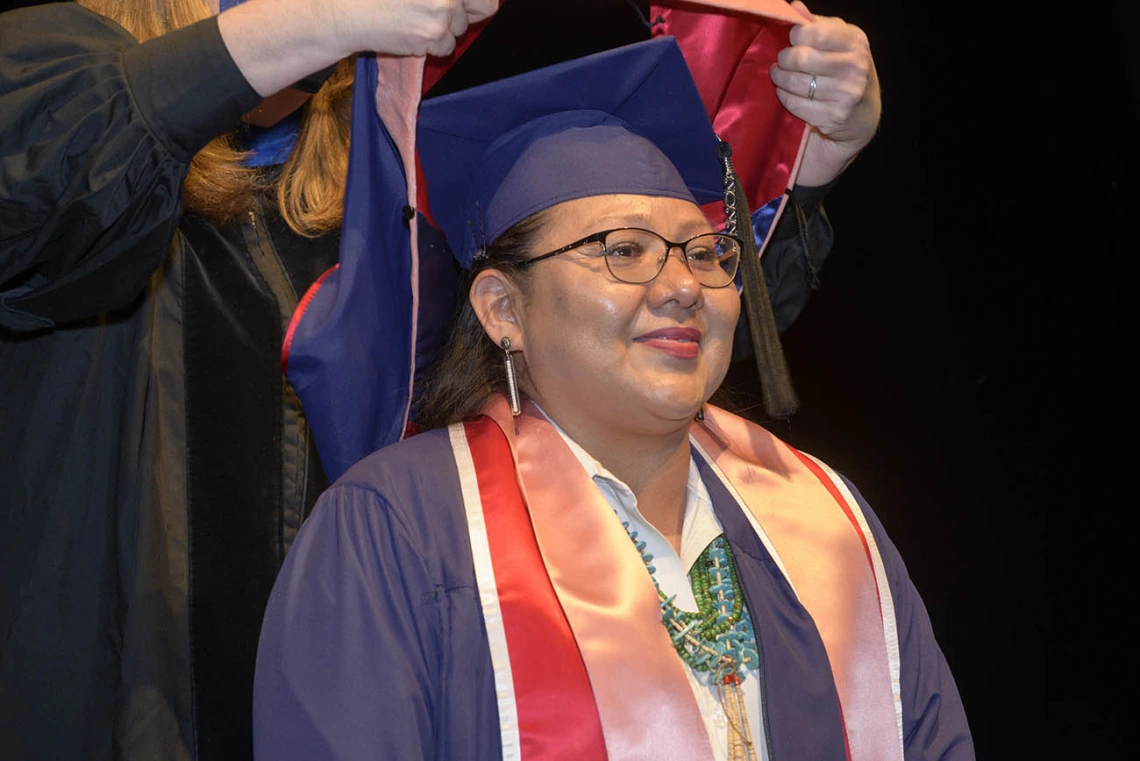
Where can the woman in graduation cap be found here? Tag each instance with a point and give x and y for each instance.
(582, 558)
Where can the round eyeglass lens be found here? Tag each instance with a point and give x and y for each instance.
(713, 259)
(634, 255)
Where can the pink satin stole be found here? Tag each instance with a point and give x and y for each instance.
(554, 710)
(644, 701)
(828, 563)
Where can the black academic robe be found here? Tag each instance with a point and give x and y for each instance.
(155, 465)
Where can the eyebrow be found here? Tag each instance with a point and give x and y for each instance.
(635, 219)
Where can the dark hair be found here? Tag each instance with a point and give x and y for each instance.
(469, 369)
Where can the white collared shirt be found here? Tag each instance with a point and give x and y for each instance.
(699, 528)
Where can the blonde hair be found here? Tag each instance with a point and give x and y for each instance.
(309, 189)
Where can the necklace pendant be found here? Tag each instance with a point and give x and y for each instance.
(740, 745)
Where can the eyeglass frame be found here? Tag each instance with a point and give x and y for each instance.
(600, 237)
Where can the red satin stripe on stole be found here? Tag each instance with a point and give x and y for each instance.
(834, 491)
(557, 716)
(646, 706)
(729, 53)
(866, 712)
(828, 562)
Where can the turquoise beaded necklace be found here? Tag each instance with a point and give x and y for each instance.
(718, 637)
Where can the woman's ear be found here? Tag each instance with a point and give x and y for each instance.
(497, 302)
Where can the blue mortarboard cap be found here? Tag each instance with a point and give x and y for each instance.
(629, 120)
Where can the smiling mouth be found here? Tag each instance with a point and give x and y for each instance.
(689, 335)
(646, 339)
(684, 343)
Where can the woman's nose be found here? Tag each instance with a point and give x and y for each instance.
(676, 280)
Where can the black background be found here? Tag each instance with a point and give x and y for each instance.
(967, 360)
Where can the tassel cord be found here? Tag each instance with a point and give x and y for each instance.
(780, 400)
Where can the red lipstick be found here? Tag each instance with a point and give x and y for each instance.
(684, 343)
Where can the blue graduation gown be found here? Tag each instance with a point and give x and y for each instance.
(374, 646)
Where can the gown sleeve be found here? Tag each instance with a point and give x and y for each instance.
(934, 720)
(96, 136)
(346, 666)
(800, 244)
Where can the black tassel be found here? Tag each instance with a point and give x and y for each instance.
(780, 400)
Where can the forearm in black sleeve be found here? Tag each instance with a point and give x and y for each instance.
(799, 246)
(96, 139)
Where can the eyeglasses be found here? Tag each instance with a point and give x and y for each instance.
(637, 256)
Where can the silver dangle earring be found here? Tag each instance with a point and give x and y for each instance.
(700, 416)
(512, 381)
